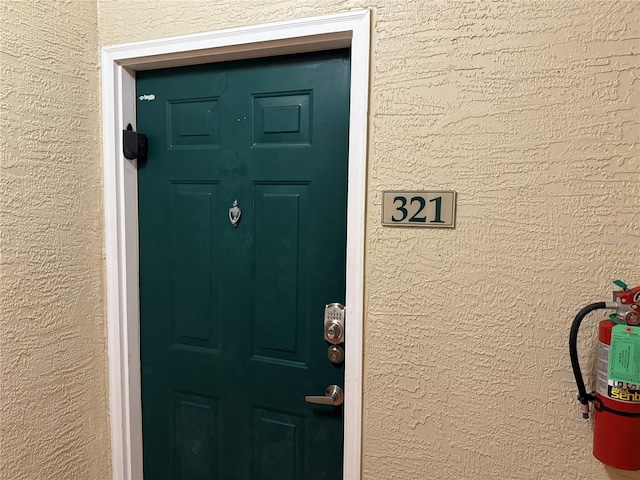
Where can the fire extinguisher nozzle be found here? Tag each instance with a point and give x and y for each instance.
(585, 415)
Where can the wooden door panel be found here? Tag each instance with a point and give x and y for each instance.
(196, 437)
(278, 436)
(195, 264)
(193, 124)
(280, 267)
(282, 119)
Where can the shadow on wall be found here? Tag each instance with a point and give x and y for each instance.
(615, 474)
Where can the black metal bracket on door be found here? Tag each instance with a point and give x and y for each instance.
(134, 144)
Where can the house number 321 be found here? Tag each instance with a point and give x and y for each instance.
(419, 209)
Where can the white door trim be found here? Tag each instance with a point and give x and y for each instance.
(119, 64)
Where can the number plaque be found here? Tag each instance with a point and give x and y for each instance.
(419, 209)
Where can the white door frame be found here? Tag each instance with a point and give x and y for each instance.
(119, 64)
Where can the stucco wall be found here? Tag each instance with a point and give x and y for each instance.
(53, 382)
(530, 110)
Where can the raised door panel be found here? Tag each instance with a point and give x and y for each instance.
(195, 264)
(280, 267)
(196, 452)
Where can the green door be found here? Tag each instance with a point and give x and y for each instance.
(232, 315)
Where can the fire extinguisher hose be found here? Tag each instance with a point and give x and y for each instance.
(583, 396)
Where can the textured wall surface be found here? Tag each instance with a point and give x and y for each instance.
(530, 110)
(53, 382)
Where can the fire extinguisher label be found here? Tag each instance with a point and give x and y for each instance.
(624, 354)
(607, 387)
(602, 380)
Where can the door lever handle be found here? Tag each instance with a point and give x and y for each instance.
(333, 395)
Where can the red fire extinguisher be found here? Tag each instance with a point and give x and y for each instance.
(616, 403)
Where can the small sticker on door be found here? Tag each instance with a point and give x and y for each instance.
(148, 97)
